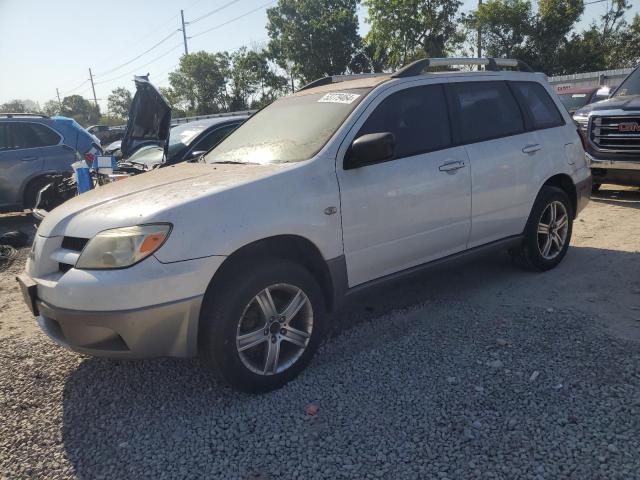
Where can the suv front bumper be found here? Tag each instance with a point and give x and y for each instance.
(620, 172)
(169, 329)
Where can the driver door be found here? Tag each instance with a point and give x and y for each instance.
(415, 207)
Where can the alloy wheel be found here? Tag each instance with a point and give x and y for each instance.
(553, 227)
(274, 329)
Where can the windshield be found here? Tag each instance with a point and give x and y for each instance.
(631, 85)
(291, 129)
(181, 137)
(148, 156)
(573, 101)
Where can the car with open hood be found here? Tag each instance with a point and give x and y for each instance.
(348, 183)
(611, 129)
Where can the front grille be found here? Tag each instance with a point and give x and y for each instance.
(74, 243)
(616, 133)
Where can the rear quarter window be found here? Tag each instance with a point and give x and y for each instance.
(484, 110)
(537, 103)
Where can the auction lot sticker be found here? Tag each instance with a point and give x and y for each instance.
(339, 97)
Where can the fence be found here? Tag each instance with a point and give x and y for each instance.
(590, 79)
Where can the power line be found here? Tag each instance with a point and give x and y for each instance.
(234, 19)
(140, 66)
(201, 17)
(64, 92)
(136, 58)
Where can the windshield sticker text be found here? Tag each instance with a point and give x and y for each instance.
(339, 97)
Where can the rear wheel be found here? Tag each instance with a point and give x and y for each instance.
(31, 192)
(548, 231)
(262, 325)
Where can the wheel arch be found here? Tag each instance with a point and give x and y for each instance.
(565, 183)
(287, 247)
(29, 181)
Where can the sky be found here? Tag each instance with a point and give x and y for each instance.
(49, 44)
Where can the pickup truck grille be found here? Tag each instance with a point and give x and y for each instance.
(616, 133)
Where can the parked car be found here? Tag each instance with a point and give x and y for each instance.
(577, 97)
(612, 132)
(187, 142)
(34, 146)
(350, 182)
(107, 134)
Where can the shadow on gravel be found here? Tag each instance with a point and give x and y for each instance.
(405, 394)
(621, 198)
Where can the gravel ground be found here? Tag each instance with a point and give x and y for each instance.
(480, 371)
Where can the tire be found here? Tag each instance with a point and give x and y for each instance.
(595, 187)
(533, 254)
(31, 192)
(238, 337)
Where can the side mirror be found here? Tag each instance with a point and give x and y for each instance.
(369, 149)
(197, 153)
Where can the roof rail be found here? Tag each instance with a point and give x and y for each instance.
(491, 64)
(339, 78)
(12, 115)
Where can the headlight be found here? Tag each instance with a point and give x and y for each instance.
(122, 247)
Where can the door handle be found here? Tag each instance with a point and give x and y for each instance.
(451, 166)
(531, 148)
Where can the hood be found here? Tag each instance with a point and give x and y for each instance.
(148, 197)
(149, 118)
(622, 102)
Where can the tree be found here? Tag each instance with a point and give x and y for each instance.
(200, 81)
(51, 108)
(119, 102)
(625, 52)
(252, 83)
(80, 109)
(505, 25)
(14, 106)
(317, 37)
(412, 29)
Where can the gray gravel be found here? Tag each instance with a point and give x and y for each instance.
(437, 391)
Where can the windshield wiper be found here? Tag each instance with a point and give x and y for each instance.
(232, 162)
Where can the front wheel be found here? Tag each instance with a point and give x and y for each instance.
(262, 324)
(548, 231)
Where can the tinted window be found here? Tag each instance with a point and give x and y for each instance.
(214, 138)
(30, 135)
(4, 137)
(485, 110)
(416, 116)
(536, 100)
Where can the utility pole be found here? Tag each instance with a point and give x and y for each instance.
(184, 33)
(479, 33)
(93, 88)
(59, 101)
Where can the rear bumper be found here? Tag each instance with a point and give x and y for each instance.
(169, 329)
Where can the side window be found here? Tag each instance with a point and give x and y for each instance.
(214, 138)
(535, 99)
(27, 135)
(5, 143)
(416, 116)
(46, 136)
(485, 110)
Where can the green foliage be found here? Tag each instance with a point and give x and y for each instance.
(313, 38)
(51, 108)
(81, 110)
(200, 81)
(404, 30)
(14, 106)
(119, 102)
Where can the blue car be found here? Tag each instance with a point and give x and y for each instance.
(32, 147)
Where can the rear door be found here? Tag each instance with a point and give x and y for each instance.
(20, 159)
(491, 126)
(415, 207)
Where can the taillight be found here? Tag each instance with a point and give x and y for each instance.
(89, 157)
(583, 138)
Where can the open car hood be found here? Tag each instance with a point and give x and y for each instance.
(149, 119)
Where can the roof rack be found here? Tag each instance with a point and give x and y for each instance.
(339, 78)
(12, 115)
(491, 64)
